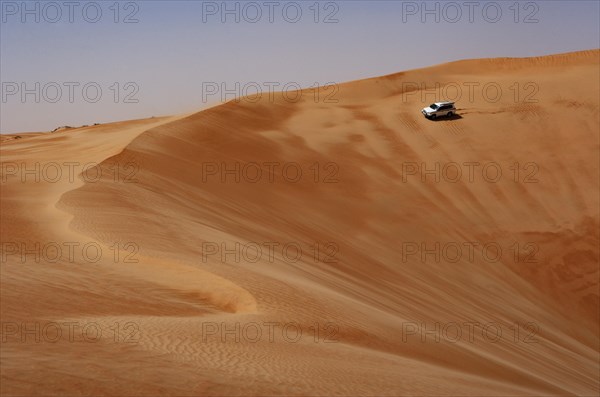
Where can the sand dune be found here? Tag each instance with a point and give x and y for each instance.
(229, 273)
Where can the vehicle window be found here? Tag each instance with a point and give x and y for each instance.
(434, 106)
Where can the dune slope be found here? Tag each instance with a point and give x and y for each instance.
(335, 244)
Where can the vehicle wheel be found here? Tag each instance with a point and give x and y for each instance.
(433, 116)
(450, 114)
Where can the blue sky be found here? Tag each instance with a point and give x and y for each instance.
(159, 61)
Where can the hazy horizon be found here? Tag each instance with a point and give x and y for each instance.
(153, 58)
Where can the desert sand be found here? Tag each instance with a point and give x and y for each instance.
(175, 302)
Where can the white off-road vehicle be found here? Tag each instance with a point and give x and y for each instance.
(439, 109)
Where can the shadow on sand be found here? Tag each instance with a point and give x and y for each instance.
(451, 118)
